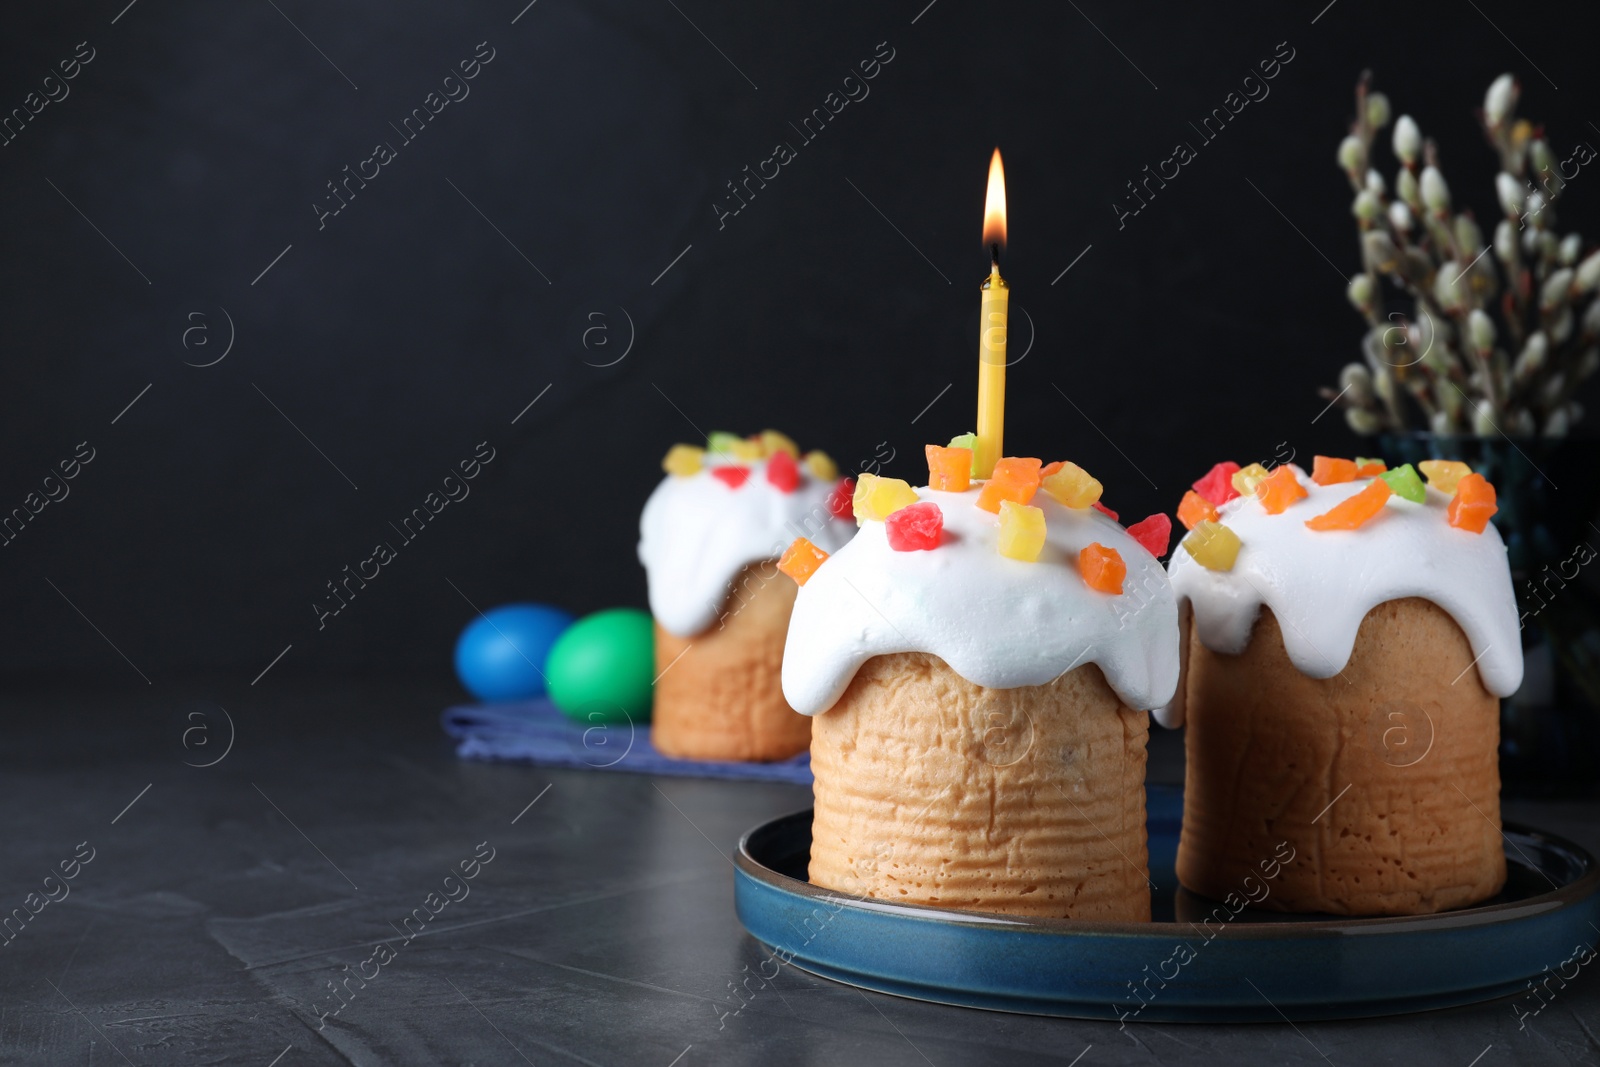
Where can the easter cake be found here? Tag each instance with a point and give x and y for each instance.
(1348, 635)
(709, 538)
(978, 661)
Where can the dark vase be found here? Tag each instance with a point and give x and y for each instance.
(1547, 490)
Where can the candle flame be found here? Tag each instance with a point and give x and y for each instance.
(994, 204)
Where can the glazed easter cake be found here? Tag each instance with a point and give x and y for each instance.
(1348, 635)
(978, 661)
(709, 538)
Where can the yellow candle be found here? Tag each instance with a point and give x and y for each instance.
(992, 329)
(992, 373)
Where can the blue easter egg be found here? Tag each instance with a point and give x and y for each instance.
(501, 654)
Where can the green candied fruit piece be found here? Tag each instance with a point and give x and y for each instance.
(1406, 484)
(1364, 461)
(721, 441)
(968, 441)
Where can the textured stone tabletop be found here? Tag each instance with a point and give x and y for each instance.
(597, 927)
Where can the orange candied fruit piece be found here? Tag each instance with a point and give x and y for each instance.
(1102, 568)
(1370, 468)
(949, 469)
(1279, 489)
(1014, 479)
(1473, 505)
(1356, 510)
(801, 560)
(1195, 509)
(1051, 468)
(1325, 470)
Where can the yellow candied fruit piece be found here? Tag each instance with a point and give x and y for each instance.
(749, 450)
(684, 460)
(773, 442)
(821, 466)
(1444, 474)
(1245, 479)
(1021, 531)
(877, 498)
(1072, 485)
(1213, 545)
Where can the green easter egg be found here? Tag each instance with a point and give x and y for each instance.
(602, 668)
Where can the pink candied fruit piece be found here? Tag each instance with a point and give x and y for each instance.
(915, 527)
(783, 472)
(841, 500)
(732, 476)
(1104, 510)
(1217, 485)
(1154, 533)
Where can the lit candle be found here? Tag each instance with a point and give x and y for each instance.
(992, 328)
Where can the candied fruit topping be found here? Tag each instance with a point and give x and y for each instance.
(1326, 470)
(1352, 512)
(1102, 509)
(773, 442)
(732, 476)
(1195, 509)
(968, 441)
(1245, 479)
(1014, 479)
(1279, 489)
(721, 441)
(1444, 474)
(949, 469)
(1021, 531)
(821, 466)
(1154, 533)
(1367, 467)
(840, 501)
(801, 560)
(783, 472)
(1050, 468)
(749, 449)
(1072, 486)
(1102, 568)
(683, 460)
(878, 498)
(1217, 485)
(1213, 546)
(1473, 505)
(915, 527)
(1405, 483)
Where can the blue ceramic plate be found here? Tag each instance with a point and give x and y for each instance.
(1254, 966)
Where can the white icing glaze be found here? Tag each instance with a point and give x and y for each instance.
(1320, 585)
(995, 621)
(697, 534)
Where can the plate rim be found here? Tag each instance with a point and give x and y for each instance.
(1478, 915)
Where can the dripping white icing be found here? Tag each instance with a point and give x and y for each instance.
(1320, 585)
(997, 622)
(696, 534)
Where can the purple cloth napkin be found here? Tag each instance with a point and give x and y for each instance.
(534, 731)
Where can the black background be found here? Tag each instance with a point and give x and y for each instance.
(836, 306)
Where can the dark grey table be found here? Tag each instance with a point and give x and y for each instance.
(221, 905)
